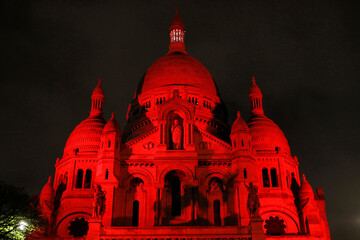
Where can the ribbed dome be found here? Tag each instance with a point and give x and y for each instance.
(86, 136)
(177, 69)
(47, 193)
(266, 135)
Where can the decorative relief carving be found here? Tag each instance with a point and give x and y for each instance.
(148, 146)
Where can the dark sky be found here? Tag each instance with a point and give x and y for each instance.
(304, 55)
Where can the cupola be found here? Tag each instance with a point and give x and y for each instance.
(47, 193)
(255, 98)
(265, 134)
(97, 101)
(86, 136)
(112, 125)
(240, 137)
(305, 191)
(177, 34)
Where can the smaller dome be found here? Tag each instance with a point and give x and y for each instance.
(112, 125)
(266, 135)
(47, 193)
(239, 125)
(86, 136)
(305, 190)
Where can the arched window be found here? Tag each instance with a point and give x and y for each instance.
(79, 178)
(107, 174)
(87, 183)
(175, 196)
(274, 178)
(135, 214)
(265, 175)
(217, 215)
(245, 173)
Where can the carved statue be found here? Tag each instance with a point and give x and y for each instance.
(252, 203)
(176, 133)
(215, 185)
(99, 202)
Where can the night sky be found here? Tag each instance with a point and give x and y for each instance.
(304, 55)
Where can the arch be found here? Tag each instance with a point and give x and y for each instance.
(143, 174)
(189, 176)
(179, 109)
(215, 185)
(288, 216)
(66, 218)
(205, 177)
(79, 178)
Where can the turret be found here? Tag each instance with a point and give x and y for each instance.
(240, 136)
(97, 101)
(177, 34)
(255, 98)
(310, 212)
(108, 166)
(47, 201)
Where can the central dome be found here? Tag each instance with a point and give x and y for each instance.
(177, 69)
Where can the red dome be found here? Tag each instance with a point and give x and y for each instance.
(86, 136)
(177, 69)
(112, 125)
(239, 125)
(305, 190)
(266, 135)
(47, 193)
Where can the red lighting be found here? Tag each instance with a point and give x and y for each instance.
(177, 164)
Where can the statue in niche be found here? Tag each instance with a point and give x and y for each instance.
(253, 203)
(99, 202)
(136, 185)
(176, 135)
(215, 185)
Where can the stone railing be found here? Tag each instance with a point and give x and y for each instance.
(176, 233)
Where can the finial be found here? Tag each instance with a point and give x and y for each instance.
(99, 82)
(238, 114)
(303, 177)
(253, 79)
(49, 179)
(112, 115)
(177, 11)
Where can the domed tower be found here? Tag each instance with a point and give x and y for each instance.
(108, 165)
(47, 201)
(75, 171)
(276, 169)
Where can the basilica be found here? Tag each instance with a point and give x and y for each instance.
(177, 170)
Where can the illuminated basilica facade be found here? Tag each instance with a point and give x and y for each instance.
(177, 171)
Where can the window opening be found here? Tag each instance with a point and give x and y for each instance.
(79, 178)
(135, 214)
(87, 182)
(265, 175)
(217, 215)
